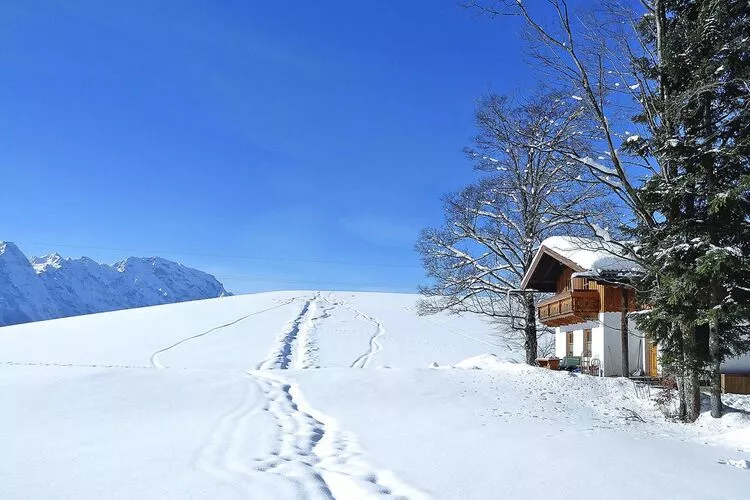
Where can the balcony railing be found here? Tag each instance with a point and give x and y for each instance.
(570, 307)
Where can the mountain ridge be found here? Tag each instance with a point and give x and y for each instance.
(53, 286)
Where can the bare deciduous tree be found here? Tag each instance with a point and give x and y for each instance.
(477, 258)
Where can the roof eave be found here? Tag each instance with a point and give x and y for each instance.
(538, 257)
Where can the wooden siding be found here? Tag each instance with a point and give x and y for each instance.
(563, 282)
(579, 283)
(735, 384)
(652, 361)
(610, 297)
(568, 307)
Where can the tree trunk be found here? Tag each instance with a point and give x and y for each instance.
(678, 368)
(530, 333)
(624, 333)
(693, 394)
(679, 371)
(682, 407)
(714, 348)
(690, 397)
(692, 390)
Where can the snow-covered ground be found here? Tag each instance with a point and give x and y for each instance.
(331, 395)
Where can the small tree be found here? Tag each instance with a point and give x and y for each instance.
(477, 258)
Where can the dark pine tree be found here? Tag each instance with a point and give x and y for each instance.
(698, 277)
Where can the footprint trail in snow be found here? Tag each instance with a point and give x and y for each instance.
(306, 455)
(315, 452)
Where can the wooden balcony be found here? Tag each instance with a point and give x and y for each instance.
(568, 308)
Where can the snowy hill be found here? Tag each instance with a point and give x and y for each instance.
(53, 287)
(332, 395)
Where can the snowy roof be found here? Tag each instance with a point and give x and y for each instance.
(589, 253)
(588, 257)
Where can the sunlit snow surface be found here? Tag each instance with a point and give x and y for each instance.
(329, 395)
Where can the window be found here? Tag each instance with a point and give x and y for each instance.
(587, 342)
(569, 344)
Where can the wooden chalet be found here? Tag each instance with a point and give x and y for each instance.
(587, 309)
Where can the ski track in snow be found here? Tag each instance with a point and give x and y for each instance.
(374, 346)
(155, 356)
(363, 361)
(220, 456)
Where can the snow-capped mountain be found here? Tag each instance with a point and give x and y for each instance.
(53, 287)
(23, 296)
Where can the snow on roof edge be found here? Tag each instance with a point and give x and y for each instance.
(589, 257)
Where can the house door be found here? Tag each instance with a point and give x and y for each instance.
(652, 360)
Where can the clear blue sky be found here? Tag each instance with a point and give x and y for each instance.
(301, 135)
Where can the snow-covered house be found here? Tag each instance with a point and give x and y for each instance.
(589, 302)
(587, 276)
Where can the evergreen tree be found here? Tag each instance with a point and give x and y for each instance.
(698, 276)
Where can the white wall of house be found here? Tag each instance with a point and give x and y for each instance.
(577, 342)
(612, 360)
(605, 343)
(577, 329)
(560, 340)
(597, 344)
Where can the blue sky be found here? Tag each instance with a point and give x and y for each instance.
(300, 144)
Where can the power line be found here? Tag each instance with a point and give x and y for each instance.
(335, 283)
(303, 281)
(226, 256)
